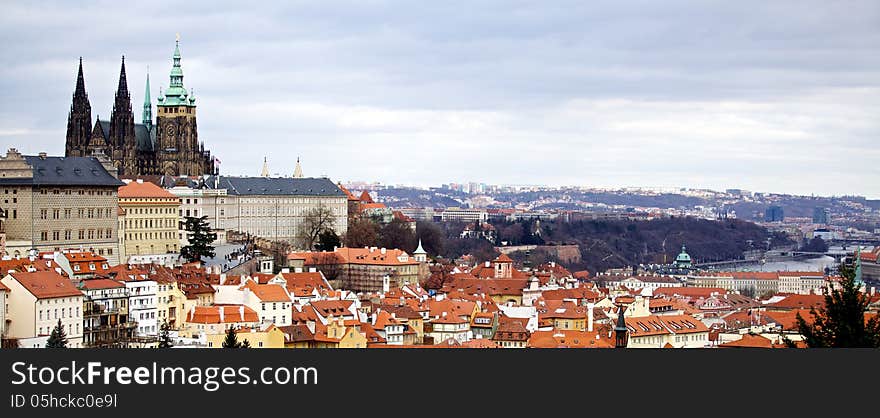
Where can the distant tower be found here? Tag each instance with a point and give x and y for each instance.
(298, 171)
(178, 151)
(858, 279)
(683, 260)
(79, 120)
(265, 172)
(147, 115)
(420, 255)
(621, 333)
(122, 141)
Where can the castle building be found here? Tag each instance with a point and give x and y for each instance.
(170, 146)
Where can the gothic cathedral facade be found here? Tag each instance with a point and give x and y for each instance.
(170, 146)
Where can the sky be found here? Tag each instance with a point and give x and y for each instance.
(765, 96)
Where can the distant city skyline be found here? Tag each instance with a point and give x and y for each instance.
(779, 97)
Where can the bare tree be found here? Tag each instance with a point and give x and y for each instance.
(316, 221)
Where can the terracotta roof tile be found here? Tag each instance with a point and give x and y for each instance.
(46, 284)
(136, 190)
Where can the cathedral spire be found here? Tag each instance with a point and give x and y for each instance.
(298, 171)
(123, 82)
(79, 120)
(147, 116)
(265, 172)
(80, 82)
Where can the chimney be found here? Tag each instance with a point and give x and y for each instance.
(222, 278)
(241, 312)
(42, 155)
(590, 316)
(222, 312)
(140, 181)
(488, 264)
(382, 250)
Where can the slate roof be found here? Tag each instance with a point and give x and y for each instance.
(65, 171)
(274, 186)
(143, 137)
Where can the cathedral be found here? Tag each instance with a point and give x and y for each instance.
(168, 146)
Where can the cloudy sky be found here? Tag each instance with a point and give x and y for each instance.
(766, 96)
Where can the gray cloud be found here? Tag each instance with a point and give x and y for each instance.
(773, 96)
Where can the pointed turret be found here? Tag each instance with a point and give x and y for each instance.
(420, 254)
(121, 121)
(265, 172)
(79, 120)
(147, 116)
(80, 82)
(298, 170)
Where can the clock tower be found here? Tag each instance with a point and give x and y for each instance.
(178, 151)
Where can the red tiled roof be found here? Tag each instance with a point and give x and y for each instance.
(664, 324)
(346, 255)
(231, 314)
(793, 301)
(46, 284)
(569, 339)
(136, 190)
(751, 341)
(268, 292)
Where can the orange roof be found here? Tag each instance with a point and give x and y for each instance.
(793, 301)
(750, 341)
(365, 197)
(479, 343)
(346, 255)
(332, 307)
(47, 284)
(574, 293)
(230, 314)
(503, 258)
(136, 190)
(373, 206)
(664, 324)
(551, 309)
(268, 292)
(347, 193)
(569, 339)
(83, 256)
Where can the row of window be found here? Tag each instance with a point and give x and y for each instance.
(81, 234)
(81, 192)
(82, 213)
(69, 331)
(149, 211)
(69, 313)
(150, 223)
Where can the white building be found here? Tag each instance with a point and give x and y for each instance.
(274, 208)
(450, 326)
(36, 302)
(464, 215)
(216, 204)
(270, 301)
(142, 305)
(3, 291)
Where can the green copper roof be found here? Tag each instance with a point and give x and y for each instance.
(147, 116)
(683, 257)
(176, 94)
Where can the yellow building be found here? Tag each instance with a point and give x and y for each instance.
(151, 219)
(271, 337)
(170, 303)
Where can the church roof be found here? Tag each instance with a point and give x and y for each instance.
(145, 138)
(65, 171)
(269, 186)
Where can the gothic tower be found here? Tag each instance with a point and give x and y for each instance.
(177, 142)
(79, 120)
(122, 137)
